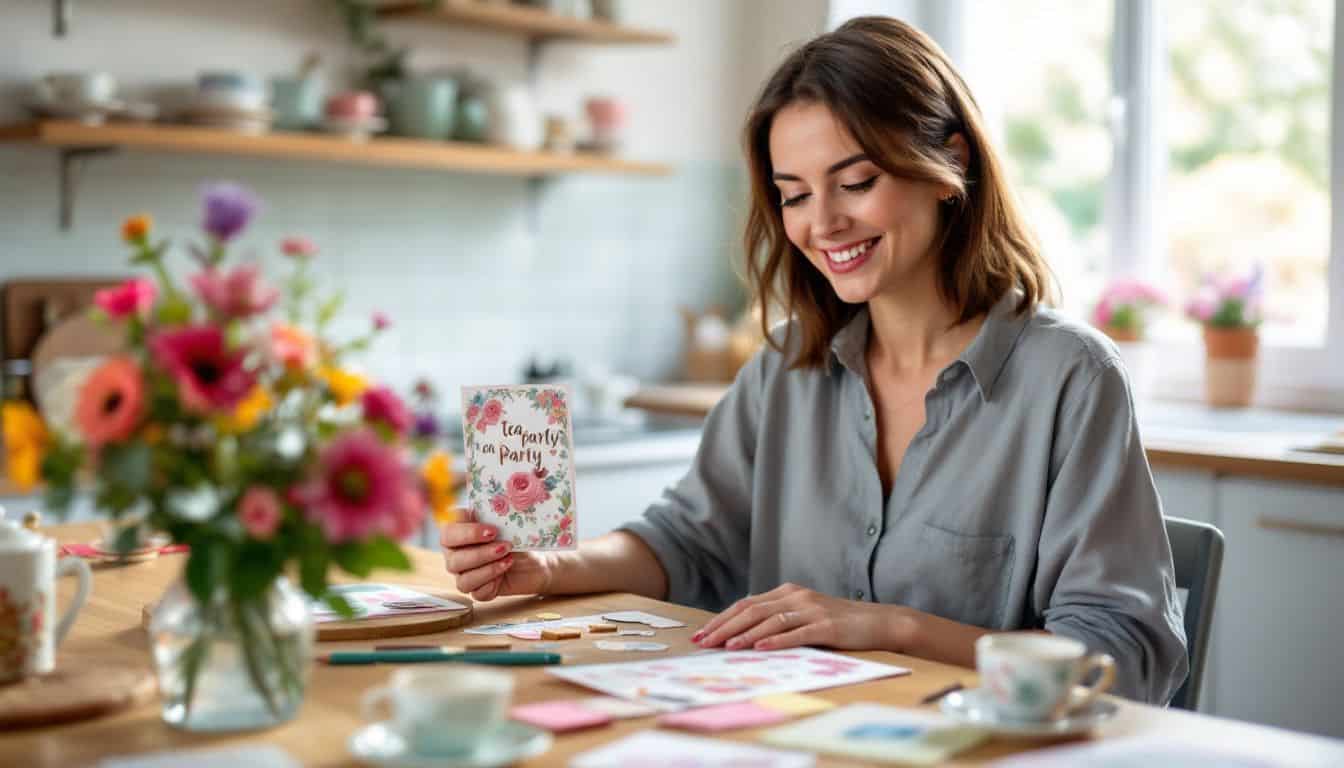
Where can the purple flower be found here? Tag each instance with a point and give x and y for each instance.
(228, 208)
(425, 426)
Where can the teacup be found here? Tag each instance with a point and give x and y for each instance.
(230, 90)
(77, 87)
(443, 710)
(352, 105)
(28, 572)
(1031, 676)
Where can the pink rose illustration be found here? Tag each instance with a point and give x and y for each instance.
(492, 411)
(481, 425)
(565, 539)
(473, 413)
(565, 521)
(525, 490)
(499, 504)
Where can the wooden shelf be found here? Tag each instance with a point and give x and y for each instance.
(406, 153)
(534, 23)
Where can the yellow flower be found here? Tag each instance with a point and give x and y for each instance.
(247, 413)
(26, 440)
(135, 229)
(437, 473)
(345, 386)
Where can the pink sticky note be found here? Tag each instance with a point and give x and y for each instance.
(723, 717)
(559, 716)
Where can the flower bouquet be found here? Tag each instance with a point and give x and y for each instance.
(230, 425)
(1122, 309)
(1230, 311)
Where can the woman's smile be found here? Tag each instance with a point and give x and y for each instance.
(849, 257)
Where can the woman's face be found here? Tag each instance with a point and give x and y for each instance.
(870, 233)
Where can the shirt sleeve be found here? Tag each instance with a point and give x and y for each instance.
(700, 529)
(1105, 571)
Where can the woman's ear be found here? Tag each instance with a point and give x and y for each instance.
(961, 151)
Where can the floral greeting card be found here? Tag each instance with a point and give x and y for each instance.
(520, 463)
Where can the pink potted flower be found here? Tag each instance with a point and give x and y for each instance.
(1229, 309)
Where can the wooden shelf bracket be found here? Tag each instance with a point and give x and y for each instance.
(72, 161)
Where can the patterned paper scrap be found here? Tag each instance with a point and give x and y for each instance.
(520, 463)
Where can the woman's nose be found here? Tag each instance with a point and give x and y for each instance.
(828, 218)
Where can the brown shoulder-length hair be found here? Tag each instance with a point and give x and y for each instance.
(898, 95)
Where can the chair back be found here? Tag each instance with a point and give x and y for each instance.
(1197, 552)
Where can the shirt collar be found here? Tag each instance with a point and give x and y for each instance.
(985, 357)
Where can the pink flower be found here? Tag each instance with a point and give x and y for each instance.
(565, 539)
(473, 413)
(565, 521)
(298, 247)
(525, 490)
(412, 513)
(259, 511)
(382, 406)
(133, 297)
(481, 425)
(499, 504)
(239, 293)
(491, 412)
(380, 322)
(1101, 314)
(209, 377)
(358, 489)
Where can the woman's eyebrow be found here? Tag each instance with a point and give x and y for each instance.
(848, 161)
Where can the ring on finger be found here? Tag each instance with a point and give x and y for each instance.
(784, 618)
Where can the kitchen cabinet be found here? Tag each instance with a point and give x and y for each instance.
(1280, 615)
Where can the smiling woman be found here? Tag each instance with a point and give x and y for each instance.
(924, 453)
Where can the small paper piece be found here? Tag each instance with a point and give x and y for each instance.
(879, 733)
(519, 448)
(526, 634)
(630, 645)
(601, 629)
(549, 616)
(640, 617)
(723, 717)
(575, 622)
(796, 704)
(656, 749)
(372, 601)
(559, 716)
(251, 755)
(560, 634)
(617, 708)
(635, 633)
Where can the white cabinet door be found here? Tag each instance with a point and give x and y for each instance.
(605, 498)
(1280, 615)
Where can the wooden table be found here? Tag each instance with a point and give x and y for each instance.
(109, 629)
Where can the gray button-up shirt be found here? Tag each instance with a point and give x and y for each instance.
(1025, 501)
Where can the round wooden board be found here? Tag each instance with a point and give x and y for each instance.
(372, 629)
(77, 690)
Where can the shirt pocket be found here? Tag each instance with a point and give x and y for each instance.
(965, 577)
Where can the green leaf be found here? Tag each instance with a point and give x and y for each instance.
(174, 310)
(314, 558)
(329, 308)
(128, 538)
(254, 569)
(126, 465)
(207, 567)
(361, 557)
(339, 604)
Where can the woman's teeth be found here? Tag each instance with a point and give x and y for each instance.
(851, 253)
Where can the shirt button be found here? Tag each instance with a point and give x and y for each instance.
(872, 530)
(858, 595)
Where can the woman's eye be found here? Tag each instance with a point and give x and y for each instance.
(862, 186)
(789, 202)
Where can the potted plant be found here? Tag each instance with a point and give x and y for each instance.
(1122, 309)
(232, 426)
(1229, 309)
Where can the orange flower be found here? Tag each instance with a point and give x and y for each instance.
(110, 402)
(292, 346)
(437, 474)
(135, 229)
(26, 441)
(346, 387)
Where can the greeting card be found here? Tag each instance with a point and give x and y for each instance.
(520, 463)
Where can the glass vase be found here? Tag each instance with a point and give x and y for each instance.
(232, 664)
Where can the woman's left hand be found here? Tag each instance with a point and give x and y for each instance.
(791, 615)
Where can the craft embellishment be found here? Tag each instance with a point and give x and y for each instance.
(520, 463)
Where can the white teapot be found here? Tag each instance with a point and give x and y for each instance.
(28, 572)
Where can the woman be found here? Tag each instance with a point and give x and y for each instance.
(925, 453)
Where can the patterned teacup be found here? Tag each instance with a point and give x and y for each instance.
(1031, 676)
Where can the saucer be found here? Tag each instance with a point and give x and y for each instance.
(355, 129)
(971, 708)
(378, 744)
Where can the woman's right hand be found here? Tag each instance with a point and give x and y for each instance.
(486, 568)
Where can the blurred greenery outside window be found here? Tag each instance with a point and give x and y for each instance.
(1231, 167)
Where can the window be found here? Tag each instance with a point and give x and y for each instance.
(1171, 140)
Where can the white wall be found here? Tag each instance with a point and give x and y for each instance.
(472, 282)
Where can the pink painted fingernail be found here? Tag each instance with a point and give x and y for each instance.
(735, 643)
(488, 535)
(696, 637)
(500, 549)
(763, 645)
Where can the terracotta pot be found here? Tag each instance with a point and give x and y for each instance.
(1231, 356)
(1121, 334)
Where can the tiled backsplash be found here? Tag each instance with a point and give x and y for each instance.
(477, 272)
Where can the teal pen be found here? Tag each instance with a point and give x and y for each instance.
(501, 658)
